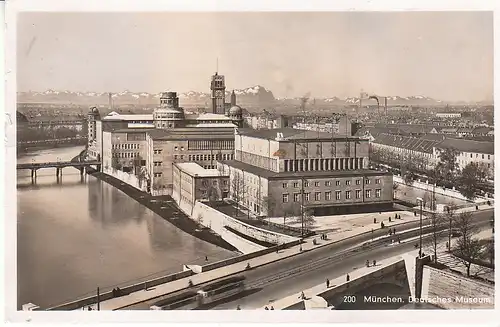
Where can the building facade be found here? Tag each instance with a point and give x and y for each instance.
(279, 172)
(191, 182)
(203, 146)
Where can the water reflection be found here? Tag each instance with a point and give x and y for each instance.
(75, 235)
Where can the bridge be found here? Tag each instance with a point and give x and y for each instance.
(59, 165)
(55, 141)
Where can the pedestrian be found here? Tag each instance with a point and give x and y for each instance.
(266, 308)
(399, 240)
(238, 307)
(447, 245)
(206, 258)
(389, 218)
(374, 262)
(272, 308)
(394, 230)
(374, 220)
(327, 283)
(390, 232)
(382, 224)
(348, 278)
(300, 248)
(368, 263)
(302, 295)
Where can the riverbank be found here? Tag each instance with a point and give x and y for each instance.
(157, 204)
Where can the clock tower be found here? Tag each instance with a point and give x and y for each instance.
(218, 94)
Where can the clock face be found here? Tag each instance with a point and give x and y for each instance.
(218, 93)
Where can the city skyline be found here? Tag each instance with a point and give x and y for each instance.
(443, 55)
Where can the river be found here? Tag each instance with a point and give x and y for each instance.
(77, 234)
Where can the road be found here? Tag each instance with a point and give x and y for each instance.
(274, 281)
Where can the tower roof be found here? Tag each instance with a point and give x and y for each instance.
(235, 110)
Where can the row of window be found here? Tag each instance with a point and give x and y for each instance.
(329, 183)
(328, 195)
(125, 155)
(214, 182)
(477, 155)
(125, 146)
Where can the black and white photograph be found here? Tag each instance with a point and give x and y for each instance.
(173, 160)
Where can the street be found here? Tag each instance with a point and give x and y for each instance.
(274, 281)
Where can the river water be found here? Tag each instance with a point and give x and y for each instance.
(77, 234)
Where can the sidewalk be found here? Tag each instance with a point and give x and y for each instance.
(341, 223)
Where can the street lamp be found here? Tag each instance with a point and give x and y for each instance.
(420, 200)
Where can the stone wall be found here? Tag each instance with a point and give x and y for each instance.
(454, 291)
(212, 216)
(439, 190)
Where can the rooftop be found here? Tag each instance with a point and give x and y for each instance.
(303, 174)
(207, 116)
(468, 146)
(196, 170)
(407, 142)
(292, 134)
(117, 116)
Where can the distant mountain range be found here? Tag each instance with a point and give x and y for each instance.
(252, 96)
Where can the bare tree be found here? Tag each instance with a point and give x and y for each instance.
(309, 220)
(268, 205)
(199, 218)
(237, 188)
(450, 217)
(437, 222)
(468, 249)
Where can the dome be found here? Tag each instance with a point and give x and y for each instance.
(94, 110)
(235, 110)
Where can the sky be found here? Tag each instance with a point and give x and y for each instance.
(444, 55)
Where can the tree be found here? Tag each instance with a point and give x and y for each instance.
(471, 179)
(115, 161)
(490, 251)
(213, 195)
(425, 199)
(464, 225)
(447, 166)
(468, 251)
(236, 188)
(268, 205)
(437, 222)
(199, 218)
(450, 217)
(309, 220)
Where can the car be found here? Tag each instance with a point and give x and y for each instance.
(455, 232)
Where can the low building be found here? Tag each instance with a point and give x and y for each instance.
(281, 172)
(191, 182)
(470, 151)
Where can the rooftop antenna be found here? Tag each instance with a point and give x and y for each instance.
(217, 66)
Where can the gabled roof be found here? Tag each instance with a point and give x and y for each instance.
(468, 146)
(407, 142)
